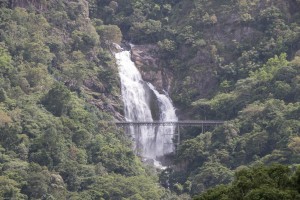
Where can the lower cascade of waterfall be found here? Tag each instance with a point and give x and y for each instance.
(151, 143)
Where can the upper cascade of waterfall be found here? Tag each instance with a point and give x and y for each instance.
(150, 142)
(133, 93)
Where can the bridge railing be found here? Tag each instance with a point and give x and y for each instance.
(171, 123)
(177, 124)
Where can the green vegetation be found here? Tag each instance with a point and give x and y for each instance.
(237, 61)
(274, 182)
(57, 81)
(262, 128)
(233, 60)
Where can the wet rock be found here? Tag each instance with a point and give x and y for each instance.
(146, 60)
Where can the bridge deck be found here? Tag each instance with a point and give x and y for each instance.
(172, 123)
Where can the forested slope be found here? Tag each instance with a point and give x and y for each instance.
(58, 83)
(231, 60)
(237, 61)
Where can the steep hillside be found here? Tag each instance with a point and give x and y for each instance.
(231, 60)
(207, 45)
(274, 182)
(221, 42)
(237, 61)
(58, 86)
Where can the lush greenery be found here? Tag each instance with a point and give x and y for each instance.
(58, 83)
(274, 182)
(233, 60)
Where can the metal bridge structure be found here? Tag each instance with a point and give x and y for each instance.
(176, 124)
(171, 123)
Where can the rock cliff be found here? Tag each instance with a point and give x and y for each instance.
(146, 59)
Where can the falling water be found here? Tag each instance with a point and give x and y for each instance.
(150, 142)
(164, 143)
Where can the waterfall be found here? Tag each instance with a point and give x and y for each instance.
(149, 142)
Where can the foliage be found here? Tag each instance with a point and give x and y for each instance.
(259, 182)
(110, 34)
(231, 60)
(57, 99)
(262, 128)
(56, 73)
(135, 187)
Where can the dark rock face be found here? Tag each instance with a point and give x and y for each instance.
(146, 60)
(98, 96)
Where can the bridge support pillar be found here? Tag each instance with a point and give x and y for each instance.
(178, 136)
(138, 142)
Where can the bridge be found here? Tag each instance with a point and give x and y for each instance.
(171, 123)
(176, 124)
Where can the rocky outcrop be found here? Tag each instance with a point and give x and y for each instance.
(98, 97)
(146, 60)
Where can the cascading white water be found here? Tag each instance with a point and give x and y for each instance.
(150, 143)
(164, 143)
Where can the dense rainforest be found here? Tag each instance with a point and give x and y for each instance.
(233, 60)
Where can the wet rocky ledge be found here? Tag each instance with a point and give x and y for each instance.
(147, 61)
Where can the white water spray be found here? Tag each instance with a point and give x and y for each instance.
(150, 143)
